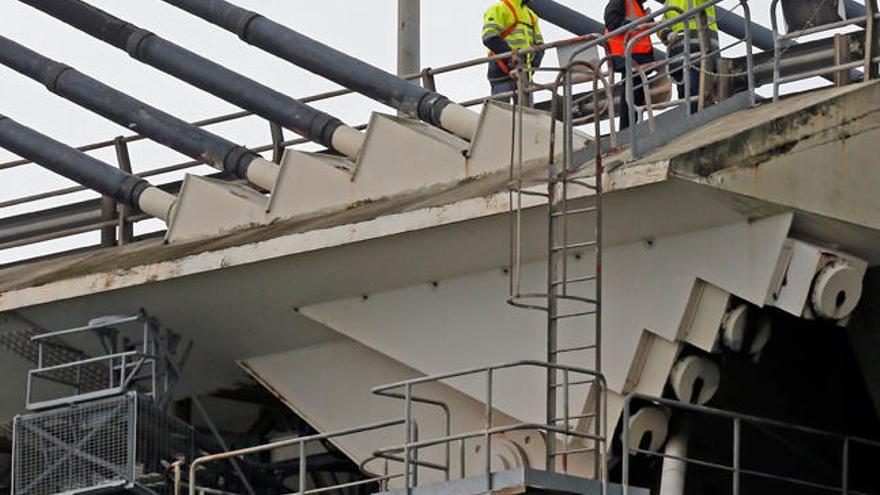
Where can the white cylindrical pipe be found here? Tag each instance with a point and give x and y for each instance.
(837, 290)
(459, 120)
(674, 470)
(649, 420)
(687, 372)
(263, 173)
(348, 141)
(157, 203)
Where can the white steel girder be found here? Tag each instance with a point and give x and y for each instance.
(674, 288)
(329, 386)
(399, 156)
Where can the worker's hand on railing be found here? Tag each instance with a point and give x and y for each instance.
(671, 38)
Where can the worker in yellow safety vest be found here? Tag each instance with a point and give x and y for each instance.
(510, 25)
(707, 51)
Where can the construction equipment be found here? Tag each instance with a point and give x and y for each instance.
(334, 65)
(131, 113)
(82, 168)
(209, 76)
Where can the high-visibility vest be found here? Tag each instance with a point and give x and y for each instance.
(686, 5)
(617, 44)
(515, 24)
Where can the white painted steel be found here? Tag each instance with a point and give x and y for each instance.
(207, 207)
(687, 372)
(403, 155)
(459, 120)
(157, 203)
(346, 371)
(348, 141)
(836, 290)
(672, 479)
(263, 173)
(736, 325)
(651, 421)
(310, 183)
(814, 278)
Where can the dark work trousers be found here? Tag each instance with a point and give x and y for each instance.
(677, 73)
(506, 86)
(638, 88)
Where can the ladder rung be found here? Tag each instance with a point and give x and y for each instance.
(573, 315)
(573, 280)
(576, 382)
(576, 211)
(579, 416)
(573, 349)
(575, 246)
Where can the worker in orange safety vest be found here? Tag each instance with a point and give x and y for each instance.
(617, 14)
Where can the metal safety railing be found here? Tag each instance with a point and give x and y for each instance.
(698, 15)
(572, 377)
(300, 443)
(735, 468)
(132, 357)
(871, 20)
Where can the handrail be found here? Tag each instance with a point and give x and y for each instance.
(303, 458)
(683, 18)
(736, 468)
(410, 446)
(870, 17)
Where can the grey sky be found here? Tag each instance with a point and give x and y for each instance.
(364, 28)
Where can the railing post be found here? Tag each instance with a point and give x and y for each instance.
(277, 142)
(624, 476)
(123, 159)
(428, 81)
(737, 424)
(108, 212)
(841, 56)
(844, 475)
(488, 436)
(302, 467)
(408, 435)
(872, 43)
(750, 57)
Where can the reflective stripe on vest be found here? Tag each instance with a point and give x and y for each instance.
(617, 44)
(518, 37)
(686, 5)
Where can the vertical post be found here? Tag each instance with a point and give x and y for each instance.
(841, 56)
(488, 436)
(408, 434)
(872, 44)
(624, 476)
(108, 212)
(776, 55)
(844, 474)
(277, 140)
(302, 468)
(408, 37)
(428, 81)
(750, 57)
(126, 231)
(737, 425)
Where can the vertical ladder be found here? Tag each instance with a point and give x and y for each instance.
(571, 298)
